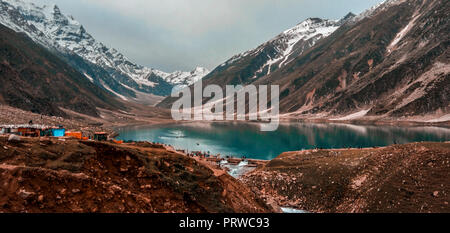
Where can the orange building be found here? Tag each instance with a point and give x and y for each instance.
(77, 135)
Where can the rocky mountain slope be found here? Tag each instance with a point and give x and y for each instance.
(52, 176)
(276, 53)
(391, 61)
(36, 80)
(104, 66)
(408, 178)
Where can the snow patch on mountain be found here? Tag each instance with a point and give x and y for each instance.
(89, 77)
(352, 116)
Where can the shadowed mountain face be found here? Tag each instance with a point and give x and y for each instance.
(106, 67)
(34, 79)
(390, 61)
(247, 67)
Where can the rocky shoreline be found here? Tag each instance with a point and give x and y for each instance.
(52, 175)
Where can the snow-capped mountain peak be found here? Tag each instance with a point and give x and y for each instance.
(376, 8)
(291, 43)
(308, 29)
(186, 78)
(53, 29)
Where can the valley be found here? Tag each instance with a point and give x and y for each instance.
(363, 126)
(314, 180)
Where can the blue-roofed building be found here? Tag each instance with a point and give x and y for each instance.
(58, 132)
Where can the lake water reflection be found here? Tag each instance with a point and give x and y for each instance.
(246, 139)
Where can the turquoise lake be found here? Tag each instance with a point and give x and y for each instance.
(246, 139)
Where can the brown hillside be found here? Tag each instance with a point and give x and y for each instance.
(72, 176)
(410, 178)
(35, 80)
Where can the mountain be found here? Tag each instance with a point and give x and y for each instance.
(275, 54)
(391, 61)
(34, 79)
(104, 66)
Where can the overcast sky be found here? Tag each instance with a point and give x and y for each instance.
(181, 34)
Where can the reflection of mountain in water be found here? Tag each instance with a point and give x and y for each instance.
(241, 139)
